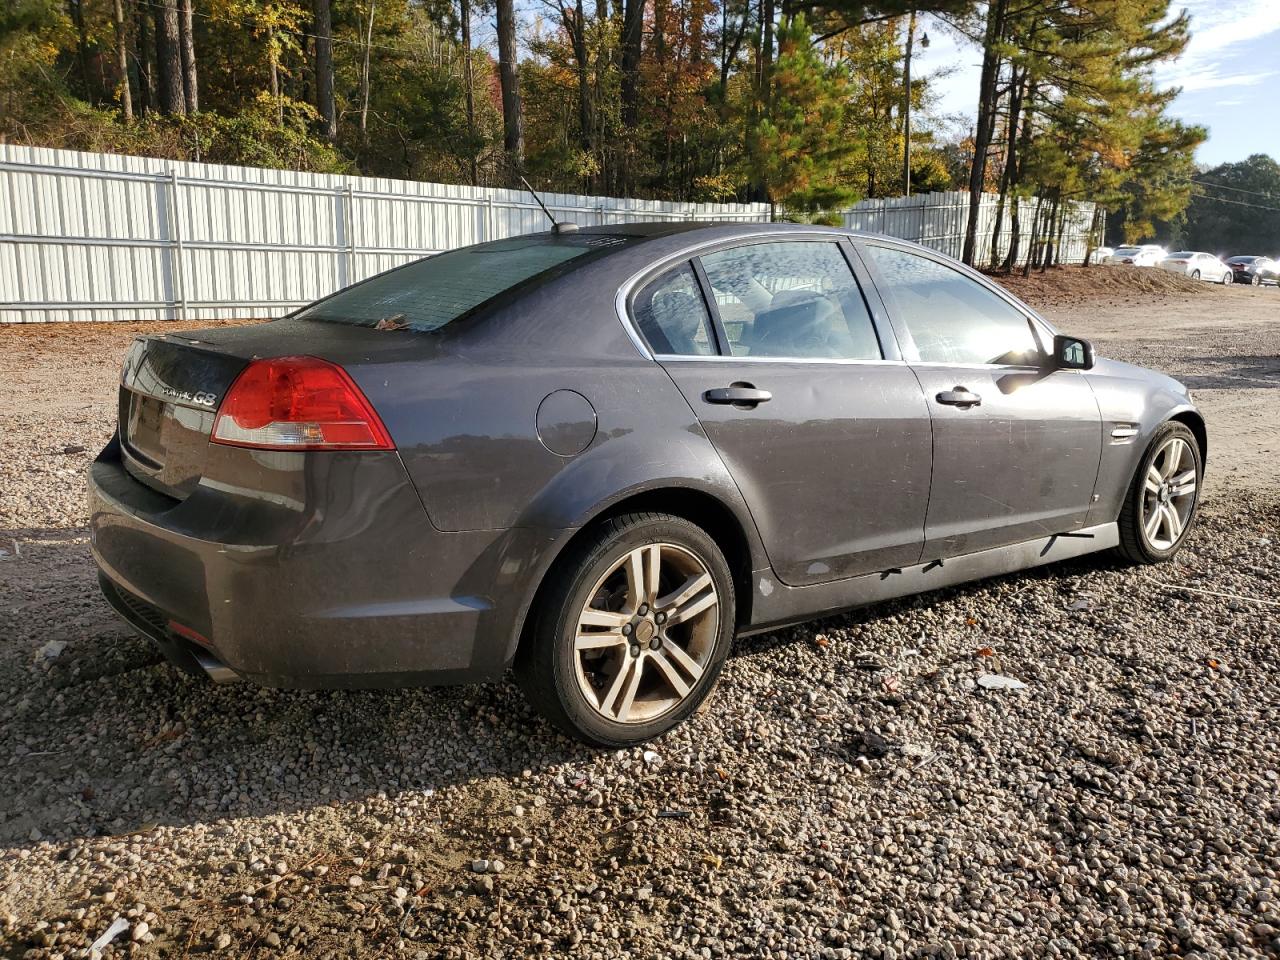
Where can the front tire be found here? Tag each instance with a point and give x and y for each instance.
(1164, 497)
(1195, 274)
(631, 635)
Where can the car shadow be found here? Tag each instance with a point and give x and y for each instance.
(103, 737)
(100, 735)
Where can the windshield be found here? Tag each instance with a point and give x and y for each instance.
(427, 294)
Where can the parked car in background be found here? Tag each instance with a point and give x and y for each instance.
(1100, 255)
(1254, 270)
(1198, 266)
(599, 456)
(1145, 255)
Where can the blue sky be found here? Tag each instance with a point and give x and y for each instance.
(1229, 74)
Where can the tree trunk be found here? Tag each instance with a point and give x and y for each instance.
(146, 61)
(509, 80)
(189, 84)
(173, 100)
(575, 23)
(1035, 238)
(767, 11)
(76, 9)
(1010, 160)
(906, 105)
(987, 96)
(324, 69)
(469, 80)
(1024, 145)
(122, 61)
(364, 77)
(632, 35)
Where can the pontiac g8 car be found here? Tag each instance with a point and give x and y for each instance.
(597, 456)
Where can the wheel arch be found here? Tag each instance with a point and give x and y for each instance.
(1192, 420)
(725, 526)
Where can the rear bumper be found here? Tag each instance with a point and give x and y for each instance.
(327, 574)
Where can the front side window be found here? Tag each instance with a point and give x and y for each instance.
(791, 299)
(672, 315)
(951, 317)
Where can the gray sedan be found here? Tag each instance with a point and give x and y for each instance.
(598, 456)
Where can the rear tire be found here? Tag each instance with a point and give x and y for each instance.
(617, 655)
(1164, 497)
(1195, 274)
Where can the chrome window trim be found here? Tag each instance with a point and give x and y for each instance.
(680, 358)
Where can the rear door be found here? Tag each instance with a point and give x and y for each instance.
(805, 398)
(1016, 446)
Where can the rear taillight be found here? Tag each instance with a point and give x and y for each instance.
(298, 403)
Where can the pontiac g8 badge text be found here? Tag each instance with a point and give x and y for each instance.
(200, 397)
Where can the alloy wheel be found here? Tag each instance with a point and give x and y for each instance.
(647, 633)
(1169, 494)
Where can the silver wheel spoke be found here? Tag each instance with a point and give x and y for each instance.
(591, 617)
(1183, 484)
(1172, 458)
(693, 585)
(607, 701)
(670, 672)
(635, 580)
(598, 641)
(692, 608)
(629, 698)
(1154, 479)
(653, 572)
(1174, 522)
(1153, 521)
(690, 666)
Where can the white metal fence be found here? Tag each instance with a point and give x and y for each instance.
(87, 236)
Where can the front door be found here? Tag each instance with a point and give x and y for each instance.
(828, 438)
(1016, 445)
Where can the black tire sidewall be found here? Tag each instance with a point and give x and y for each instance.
(558, 627)
(1137, 493)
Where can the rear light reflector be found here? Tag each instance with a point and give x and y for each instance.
(298, 403)
(188, 634)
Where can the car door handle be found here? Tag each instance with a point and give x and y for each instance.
(959, 397)
(738, 394)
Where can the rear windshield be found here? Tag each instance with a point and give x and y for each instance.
(427, 294)
(1243, 259)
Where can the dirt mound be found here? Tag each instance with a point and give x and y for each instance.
(1079, 284)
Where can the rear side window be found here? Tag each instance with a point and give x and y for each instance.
(427, 294)
(951, 317)
(672, 315)
(791, 299)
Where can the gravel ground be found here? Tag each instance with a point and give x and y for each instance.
(849, 792)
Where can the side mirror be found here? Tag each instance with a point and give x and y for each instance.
(1072, 353)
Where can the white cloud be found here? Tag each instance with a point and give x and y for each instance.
(1217, 28)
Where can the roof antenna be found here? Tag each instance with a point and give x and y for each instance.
(558, 228)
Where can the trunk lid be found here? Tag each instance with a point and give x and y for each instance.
(169, 393)
(172, 385)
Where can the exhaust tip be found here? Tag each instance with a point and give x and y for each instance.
(214, 669)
